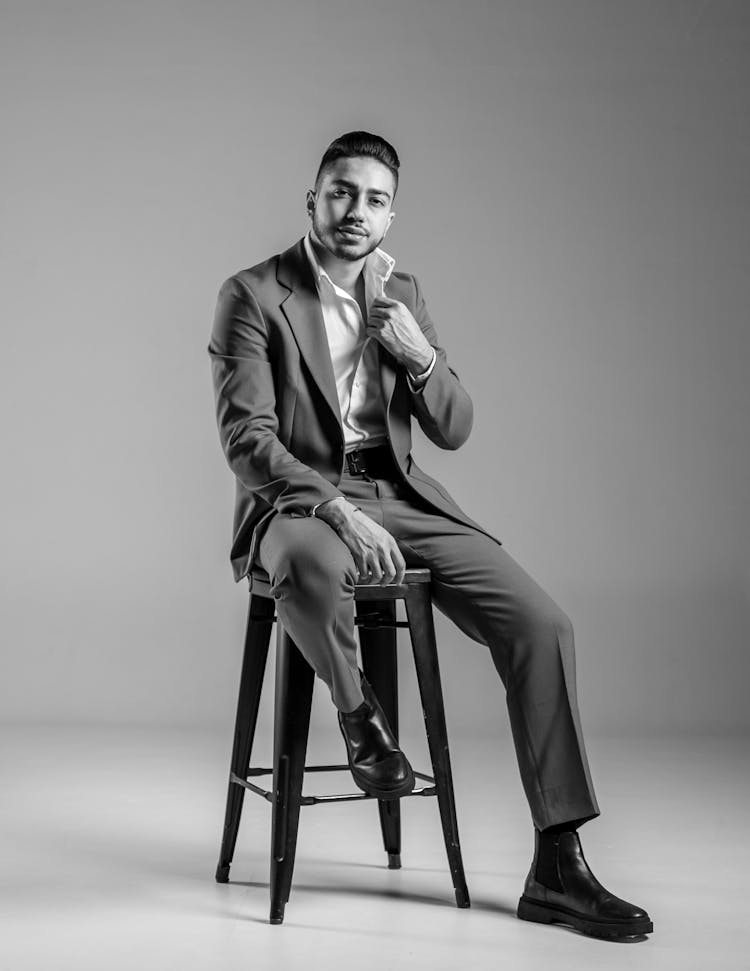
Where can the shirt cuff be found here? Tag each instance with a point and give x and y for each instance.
(416, 382)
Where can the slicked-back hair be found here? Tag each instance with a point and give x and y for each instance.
(359, 143)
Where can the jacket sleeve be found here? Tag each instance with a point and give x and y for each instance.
(246, 408)
(442, 405)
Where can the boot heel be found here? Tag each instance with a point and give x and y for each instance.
(529, 910)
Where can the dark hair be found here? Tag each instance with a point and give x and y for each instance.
(355, 143)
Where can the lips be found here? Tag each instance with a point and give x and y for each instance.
(348, 231)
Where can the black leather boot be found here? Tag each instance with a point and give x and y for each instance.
(561, 889)
(378, 765)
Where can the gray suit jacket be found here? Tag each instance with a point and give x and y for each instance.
(277, 407)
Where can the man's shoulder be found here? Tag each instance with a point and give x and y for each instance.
(402, 286)
(273, 278)
(255, 278)
(402, 278)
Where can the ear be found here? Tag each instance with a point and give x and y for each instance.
(310, 202)
(391, 217)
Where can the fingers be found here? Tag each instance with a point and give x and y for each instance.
(377, 569)
(371, 571)
(399, 565)
(369, 563)
(376, 555)
(384, 310)
(382, 566)
(388, 568)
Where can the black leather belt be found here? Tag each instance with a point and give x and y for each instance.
(376, 461)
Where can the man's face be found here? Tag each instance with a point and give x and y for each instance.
(351, 210)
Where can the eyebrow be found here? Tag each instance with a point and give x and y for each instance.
(351, 185)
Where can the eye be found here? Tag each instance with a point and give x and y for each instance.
(377, 202)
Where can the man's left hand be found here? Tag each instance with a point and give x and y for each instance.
(392, 323)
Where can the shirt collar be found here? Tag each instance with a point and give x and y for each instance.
(378, 264)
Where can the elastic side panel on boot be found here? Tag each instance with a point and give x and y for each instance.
(547, 872)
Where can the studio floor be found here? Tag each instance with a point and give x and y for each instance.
(110, 840)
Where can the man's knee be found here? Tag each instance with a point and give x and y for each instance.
(309, 559)
(327, 565)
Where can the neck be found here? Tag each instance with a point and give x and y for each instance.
(344, 273)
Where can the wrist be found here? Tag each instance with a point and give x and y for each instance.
(336, 511)
(417, 366)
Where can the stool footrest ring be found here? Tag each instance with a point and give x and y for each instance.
(429, 790)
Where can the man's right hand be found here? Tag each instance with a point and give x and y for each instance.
(376, 553)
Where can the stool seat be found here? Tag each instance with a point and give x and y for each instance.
(376, 621)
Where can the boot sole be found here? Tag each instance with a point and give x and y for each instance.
(370, 790)
(542, 913)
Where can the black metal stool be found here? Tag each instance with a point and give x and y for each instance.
(376, 619)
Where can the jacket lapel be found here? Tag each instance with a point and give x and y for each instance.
(387, 370)
(301, 307)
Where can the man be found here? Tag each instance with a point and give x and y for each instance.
(321, 356)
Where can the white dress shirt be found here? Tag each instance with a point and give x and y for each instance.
(354, 355)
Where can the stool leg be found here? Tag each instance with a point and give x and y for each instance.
(379, 663)
(257, 638)
(422, 630)
(294, 688)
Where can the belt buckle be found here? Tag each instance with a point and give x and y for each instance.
(354, 460)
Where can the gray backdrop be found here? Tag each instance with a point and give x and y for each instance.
(574, 200)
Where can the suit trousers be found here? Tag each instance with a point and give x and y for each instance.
(481, 588)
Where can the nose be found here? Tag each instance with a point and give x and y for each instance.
(355, 212)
